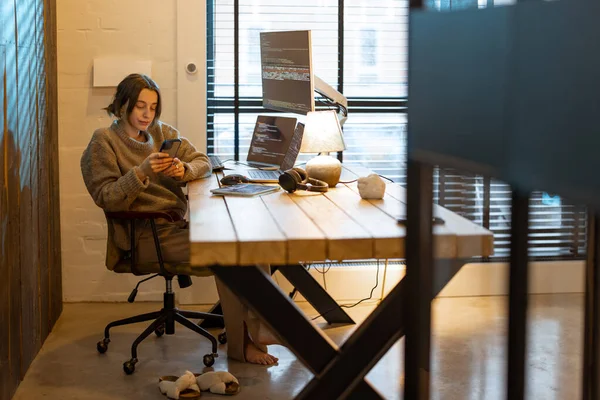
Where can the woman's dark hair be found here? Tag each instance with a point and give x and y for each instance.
(128, 92)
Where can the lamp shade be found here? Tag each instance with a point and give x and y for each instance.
(322, 133)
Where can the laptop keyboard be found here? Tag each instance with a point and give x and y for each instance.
(216, 163)
(260, 174)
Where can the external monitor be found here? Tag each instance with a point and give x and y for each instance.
(271, 140)
(288, 79)
(287, 74)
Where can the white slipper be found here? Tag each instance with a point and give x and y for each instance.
(218, 382)
(183, 387)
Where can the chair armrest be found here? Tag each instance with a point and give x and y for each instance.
(129, 215)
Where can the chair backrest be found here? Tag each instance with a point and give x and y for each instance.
(131, 217)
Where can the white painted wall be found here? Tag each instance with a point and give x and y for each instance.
(132, 29)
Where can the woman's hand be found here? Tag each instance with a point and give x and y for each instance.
(154, 163)
(176, 170)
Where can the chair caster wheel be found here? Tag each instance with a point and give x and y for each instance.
(222, 337)
(129, 366)
(102, 345)
(208, 360)
(160, 331)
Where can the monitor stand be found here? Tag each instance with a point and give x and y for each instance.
(338, 99)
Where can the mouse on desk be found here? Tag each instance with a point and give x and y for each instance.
(234, 179)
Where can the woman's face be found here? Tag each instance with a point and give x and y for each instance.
(144, 110)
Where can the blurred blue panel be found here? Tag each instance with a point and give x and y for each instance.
(511, 92)
(556, 107)
(458, 87)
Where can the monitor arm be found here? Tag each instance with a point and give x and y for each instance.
(340, 101)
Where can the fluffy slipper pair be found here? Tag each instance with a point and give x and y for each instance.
(189, 385)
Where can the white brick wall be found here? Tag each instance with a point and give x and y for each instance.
(144, 29)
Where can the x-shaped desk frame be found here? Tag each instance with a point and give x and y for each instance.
(339, 373)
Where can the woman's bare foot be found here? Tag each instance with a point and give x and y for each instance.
(254, 355)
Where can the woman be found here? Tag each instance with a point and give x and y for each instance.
(123, 170)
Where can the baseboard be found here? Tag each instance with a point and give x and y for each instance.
(346, 284)
(475, 279)
(491, 279)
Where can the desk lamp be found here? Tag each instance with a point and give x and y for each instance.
(322, 134)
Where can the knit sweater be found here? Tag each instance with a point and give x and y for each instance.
(109, 166)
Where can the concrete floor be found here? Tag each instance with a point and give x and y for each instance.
(468, 355)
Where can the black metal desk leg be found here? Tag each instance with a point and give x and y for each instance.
(301, 279)
(284, 318)
(591, 348)
(419, 280)
(361, 351)
(213, 323)
(371, 340)
(517, 300)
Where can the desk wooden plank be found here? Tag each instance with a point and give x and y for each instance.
(388, 235)
(346, 239)
(212, 236)
(444, 240)
(353, 172)
(472, 239)
(259, 238)
(306, 242)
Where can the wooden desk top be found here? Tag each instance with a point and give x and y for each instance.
(282, 228)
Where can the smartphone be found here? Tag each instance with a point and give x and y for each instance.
(171, 147)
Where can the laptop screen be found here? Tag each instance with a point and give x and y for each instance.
(271, 140)
(294, 148)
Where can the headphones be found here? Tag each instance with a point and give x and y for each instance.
(297, 179)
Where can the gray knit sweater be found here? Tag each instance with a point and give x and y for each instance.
(109, 167)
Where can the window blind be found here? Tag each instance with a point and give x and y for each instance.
(557, 227)
(360, 48)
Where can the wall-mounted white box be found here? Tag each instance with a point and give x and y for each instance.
(109, 71)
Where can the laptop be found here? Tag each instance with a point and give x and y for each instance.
(275, 146)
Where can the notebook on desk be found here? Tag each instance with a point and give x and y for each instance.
(275, 145)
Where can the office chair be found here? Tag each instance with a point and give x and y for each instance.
(164, 320)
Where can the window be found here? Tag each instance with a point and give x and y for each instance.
(374, 81)
(368, 48)
(360, 48)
